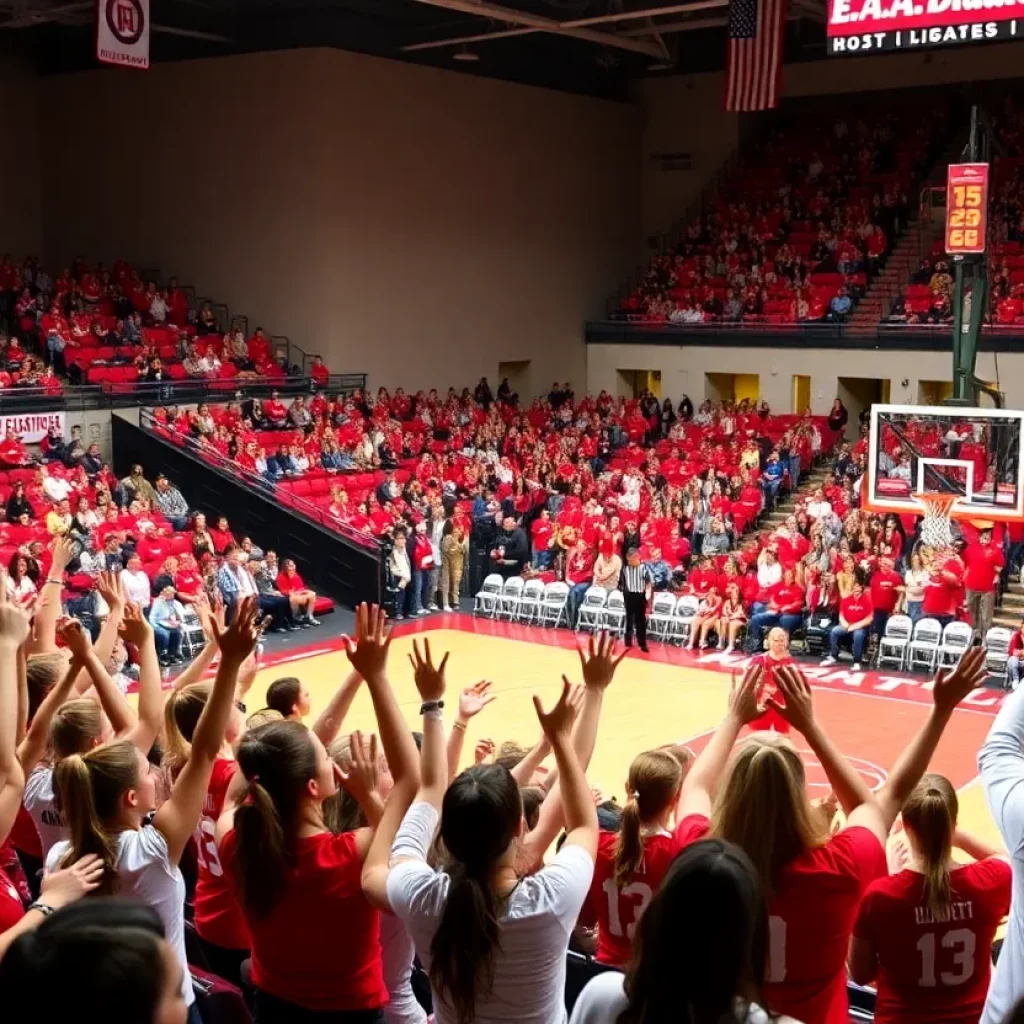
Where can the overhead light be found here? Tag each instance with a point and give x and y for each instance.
(466, 55)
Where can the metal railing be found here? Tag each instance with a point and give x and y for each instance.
(210, 456)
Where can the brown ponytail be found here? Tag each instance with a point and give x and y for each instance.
(930, 815)
(76, 726)
(277, 760)
(88, 790)
(181, 715)
(653, 785)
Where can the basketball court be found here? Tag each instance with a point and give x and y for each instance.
(668, 696)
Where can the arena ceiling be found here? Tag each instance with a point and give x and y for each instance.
(590, 46)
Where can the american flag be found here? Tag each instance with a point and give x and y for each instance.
(755, 54)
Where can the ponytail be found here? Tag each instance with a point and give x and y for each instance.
(654, 780)
(88, 790)
(75, 727)
(277, 760)
(181, 715)
(481, 816)
(930, 815)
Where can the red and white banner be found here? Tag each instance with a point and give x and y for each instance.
(966, 208)
(122, 33)
(32, 427)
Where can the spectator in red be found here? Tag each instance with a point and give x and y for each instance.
(259, 348)
(886, 587)
(942, 589)
(984, 563)
(221, 535)
(12, 451)
(275, 413)
(855, 617)
(541, 533)
(300, 597)
(1013, 662)
(319, 372)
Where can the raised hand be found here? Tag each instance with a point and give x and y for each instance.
(474, 699)
(135, 628)
(238, 641)
(362, 775)
(599, 661)
(75, 639)
(484, 749)
(63, 553)
(15, 621)
(429, 679)
(799, 707)
(108, 586)
(743, 695)
(59, 888)
(952, 687)
(368, 653)
(556, 723)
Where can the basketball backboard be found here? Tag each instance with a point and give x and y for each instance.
(972, 454)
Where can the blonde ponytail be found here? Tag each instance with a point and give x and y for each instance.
(76, 726)
(181, 715)
(929, 815)
(654, 780)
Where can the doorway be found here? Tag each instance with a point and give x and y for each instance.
(732, 387)
(635, 382)
(933, 392)
(858, 394)
(518, 373)
(801, 392)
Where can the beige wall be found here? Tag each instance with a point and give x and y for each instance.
(21, 203)
(412, 223)
(683, 370)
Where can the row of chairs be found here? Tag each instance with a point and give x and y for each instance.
(927, 644)
(527, 601)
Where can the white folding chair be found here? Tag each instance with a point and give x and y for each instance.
(956, 638)
(530, 599)
(554, 605)
(997, 651)
(686, 614)
(486, 600)
(892, 646)
(923, 648)
(591, 609)
(511, 594)
(661, 622)
(192, 635)
(614, 617)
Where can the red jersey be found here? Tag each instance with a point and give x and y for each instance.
(884, 594)
(811, 914)
(789, 597)
(941, 594)
(932, 969)
(983, 563)
(11, 908)
(24, 835)
(856, 609)
(218, 918)
(298, 951)
(618, 911)
(771, 719)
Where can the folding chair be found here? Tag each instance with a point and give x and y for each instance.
(923, 648)
(486, 600)
(554, 606)
(661, 622)
(591, 609)
(892, 646)
(686, 613)
(192, 636)
(614, 616)
(530, 599)
(956, 638)
(997, 652)
(511, 594)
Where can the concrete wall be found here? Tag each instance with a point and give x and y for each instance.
(20, 189)
(416, 224)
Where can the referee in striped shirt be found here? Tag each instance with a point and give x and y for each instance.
(637, 587)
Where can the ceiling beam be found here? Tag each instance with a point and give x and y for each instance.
(41, 15)
(680, 26)
(531, 23)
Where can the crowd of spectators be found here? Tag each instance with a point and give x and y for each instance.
(96, 325)
(796, 234)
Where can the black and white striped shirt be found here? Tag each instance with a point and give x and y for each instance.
(636, 578)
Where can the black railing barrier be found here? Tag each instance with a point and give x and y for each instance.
(332, 563)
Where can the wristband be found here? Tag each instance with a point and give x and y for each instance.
(429, 706)
(44, 908)
(459, 725)
(52, 579)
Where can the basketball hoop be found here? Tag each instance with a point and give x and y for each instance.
(936, 531)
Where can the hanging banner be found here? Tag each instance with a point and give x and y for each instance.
(122, 33)
(32, 427)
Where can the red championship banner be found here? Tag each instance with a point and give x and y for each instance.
(966, 208)
(122, 32)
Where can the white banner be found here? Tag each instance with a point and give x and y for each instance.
(122, 32)
(32, 427)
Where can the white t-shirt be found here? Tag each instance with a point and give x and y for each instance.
(529, 976)
(41, 805)
(145, 874)
(603, 999)
(396, 953)
(136, 587)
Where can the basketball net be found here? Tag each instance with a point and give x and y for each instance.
(936, 530)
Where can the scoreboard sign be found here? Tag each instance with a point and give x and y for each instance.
(966, 208)
(868, 26)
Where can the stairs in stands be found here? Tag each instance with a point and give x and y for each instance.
(1011, 608)
(816, 478)
(915, 243)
